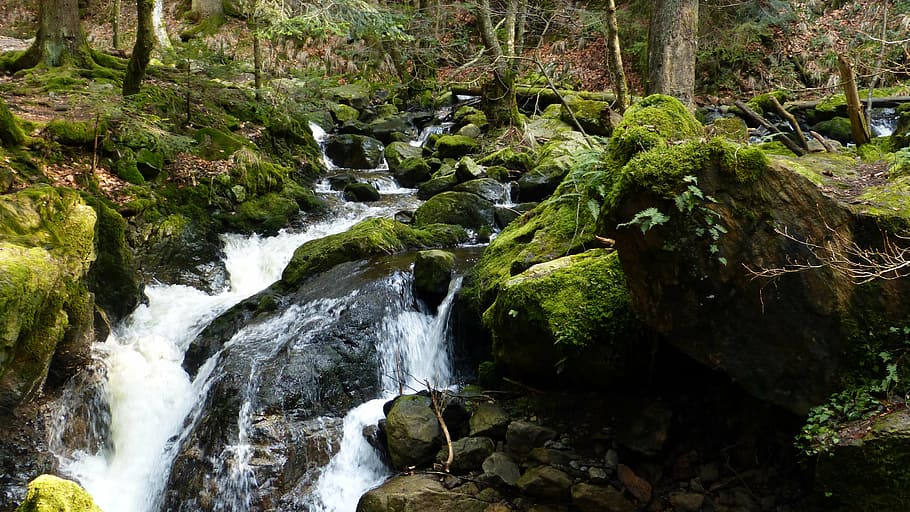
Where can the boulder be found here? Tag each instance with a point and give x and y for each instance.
(459, 208)
(361, 192)
(398, 152)
(575, 310)
(500, 468)
(546, 482)
(354, 151)
(436, 185)
(418, 492)
(556, 158)
(509, 158)
(455, 146)
(339, 181)
(392, 129)
(837, 128)
(595, 117)
(653, 122)
(357, 95)
(467, 114)
(432, 273)
(523, 436)
(342, 113)
(265, 214)
(469, 130)
(47, 248)
(900, 137)
(467, 169)
(488, 420)
(50, 493)
(506, 214)
(595, 498)
(468, 453)
(487, 188)
(412, 432)
(412, 171)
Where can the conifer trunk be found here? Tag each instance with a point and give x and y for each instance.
(672, 45)
(142, 50)
(59, 39)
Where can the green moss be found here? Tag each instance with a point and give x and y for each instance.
(461, 208)
(837, 128)
(267, 213)
(593, 116)
(762, 103)
(455, 146)
(215, 144)
(126, 168)
(509, 158)
(10, 132)
(776, 147)
(891, 200)
(732, 128)
(48, 493)
(368, 238)
(73, 133)
(651, 123)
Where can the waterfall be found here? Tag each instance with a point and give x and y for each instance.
(415, 351)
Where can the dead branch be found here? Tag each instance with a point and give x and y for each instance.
(843, 256)
(791, 119)
(757, 119)
(821, 140)
(442, 424)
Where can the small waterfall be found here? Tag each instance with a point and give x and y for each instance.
(415, 351)
(883, 121)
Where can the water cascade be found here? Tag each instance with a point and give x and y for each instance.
(158, 411)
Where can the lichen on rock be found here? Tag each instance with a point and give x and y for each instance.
(48, 493)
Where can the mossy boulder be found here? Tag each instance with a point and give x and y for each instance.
(46, 250)
(436, 185)
(487, 188)
(652, 122)
(392, 129)
(556, 159)
(432, 273)
(732, 128)
(361, 192)
(214, 144)
(868, 469)
(763, 103)
(412, 171)
(149, 163)
(467, 169)
(398, 152)
(419, 492)
(569, 318)
(595, 117)
(837, 128)
(49, 493)
(455, 146)
(467, 114)
(470, 130)
(368, 238)
(357, 95)
(112, 277)
(509, 158)
(900, 137)
(412, 432)
(460, 208)
(342, 113)
(126, 168)
(354, 151)
(73, 133)
(265, 214)
(11, 134)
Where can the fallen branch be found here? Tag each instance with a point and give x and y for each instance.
(442, 424)
(791, 120)
(821, 140)
(757, 119)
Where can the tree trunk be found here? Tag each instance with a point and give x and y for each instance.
(206, 8)
(115, 25)
(257, 62)
(59, 39)
(672, 44)
(498, 100)
(614, 60)
(858, 125)
(161, 37)
(142, 50)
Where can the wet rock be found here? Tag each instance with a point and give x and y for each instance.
(467, 169)
(508, 158)
(398, 152)
(500, 468)
(417, 492)
(356, 95)
(487, 188)
(470, 115)
(523, 436)
(545, 482)
(392, 129)
(489, 420)
(455, 146)
(506, 214)
(412, 171)
(342, 113)
(354, 151)
(361, 192)
(436, 185)
(432, 273)
(48, 492)
(413, 432)
(339, 181)
(459, 208)
(595, 498)
(469, 454)
(556, 159)
(636, 485)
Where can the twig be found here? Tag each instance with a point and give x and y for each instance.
(442, 424)
(821, 140)
(800, 138)
(756, 118)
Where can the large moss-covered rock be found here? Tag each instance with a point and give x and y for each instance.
(455, 146)
(595, 117)
(357, 95)
(112, 277)
(418, 492)
(48, 493)
(837, 128)
(354, 151)
(460, 208)
(555, 159)
(265, 214)
(652, 122)
(570, 317)
(412, 171)
(361, 192)
(432, 273)
(412, 432)
(398, 152)
(46, 248)
(869, 467)
(900, 137)
(11, 134)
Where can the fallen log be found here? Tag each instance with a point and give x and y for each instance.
(544, 94)
(883, 102)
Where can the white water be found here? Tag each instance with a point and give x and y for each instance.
(415, 352)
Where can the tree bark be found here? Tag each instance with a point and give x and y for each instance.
(672, 45)
(498, 98)
(614, 60)
(858, 125)
(257, 62)
(161, 37)
(115, 25)
(59, 39)
(142, 50)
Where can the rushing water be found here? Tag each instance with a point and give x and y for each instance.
(153, 401)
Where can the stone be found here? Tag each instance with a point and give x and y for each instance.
(523, 436)
(455, 146)
(436, 186)
(509, 158)
(354, 151)
(412, 432)
(467, 114)
(595, 117)
(418, 492)
(342, 113)
(357, 95)
(48, 493)
(469, 130)
(687, 501)
(469, 454)
(506, 214)
(412, 171)
(545, 482)
(645, 428)
(460, 208)
(432, 273)
(467, 169)
(488, 420)
(398, 152)
(392, 129)
(361, 192)
(500, 468)
(555, 160)
(636, 485)
(339, 181)
(487, 188)
(596, 498)
(837, 128)
(552, 457)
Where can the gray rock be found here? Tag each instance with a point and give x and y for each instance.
(361, 192)
(412, 431)
(487, 188)
(488, 420)
(500, 468)
(398, 152)
(522, 437)
(460, 208)
(546, 482)
(468, 453)
(432, 273)
(470, 130)
(436, 186)
(467, 169)
(354, 151)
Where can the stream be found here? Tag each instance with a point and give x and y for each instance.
(260, 407)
